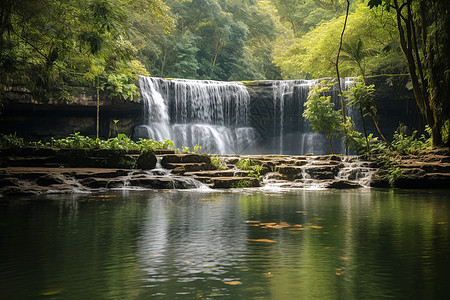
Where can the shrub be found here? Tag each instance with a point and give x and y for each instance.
(11, 141)
(218, 162)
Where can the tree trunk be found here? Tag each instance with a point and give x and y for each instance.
(406, 42)
(338, 75)
(375, 122)
(365, 132)
(98, 107)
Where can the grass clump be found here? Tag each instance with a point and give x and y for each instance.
(218, 162)
(254, 167)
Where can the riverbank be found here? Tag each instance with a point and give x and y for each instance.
(35, 171)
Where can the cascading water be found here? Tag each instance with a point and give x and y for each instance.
(211, 114)
(292, 133)
(221, 117)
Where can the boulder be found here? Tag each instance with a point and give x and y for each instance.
(50, 179)
(180, 182)
(146, 161)
(380, 179)
(153, 182)
(322, 171)
(290, 172)
(342, 184)
(94, 183)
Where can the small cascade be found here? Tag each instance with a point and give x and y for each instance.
(211, 114)
(356, 170)
(319, 172)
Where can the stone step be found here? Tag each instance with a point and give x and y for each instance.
(234, 182)
(31, 161)
(181, 168)
(184, 158)
(218, 173)
(165, 151)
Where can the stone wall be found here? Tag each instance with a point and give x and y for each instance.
(36, 121)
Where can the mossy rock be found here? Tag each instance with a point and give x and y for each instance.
(146, 161)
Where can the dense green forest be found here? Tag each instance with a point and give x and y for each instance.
(53, 46)
(49, 43)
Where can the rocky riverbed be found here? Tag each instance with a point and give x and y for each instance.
(34, 171)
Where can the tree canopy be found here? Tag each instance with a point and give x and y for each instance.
(50, 46)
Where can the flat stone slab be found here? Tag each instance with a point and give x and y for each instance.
(218, 173)
(184, 158)
(234, 182)
(342, 185)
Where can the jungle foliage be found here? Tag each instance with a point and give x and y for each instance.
(51, 46)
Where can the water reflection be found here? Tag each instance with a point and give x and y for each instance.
(363, 244)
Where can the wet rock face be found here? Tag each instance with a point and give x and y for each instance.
(146, 161)
(74, 158)
(343, 184)
(417, 171)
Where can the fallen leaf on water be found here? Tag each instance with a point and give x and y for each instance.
(276, 226)
(315, 226)
(103, 196)
(301, 212)
(318, 219)
(268, 224)
(262, 240)
(297, 228)
(50, 293)
(297, 225)
(234, 282)
(440, 223)
(339, 273)
(345, 258)
(252, 222)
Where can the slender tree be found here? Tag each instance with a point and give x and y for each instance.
(423, 28)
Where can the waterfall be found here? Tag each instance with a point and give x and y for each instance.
(211, 114)
(223, 118)
(292, 133)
